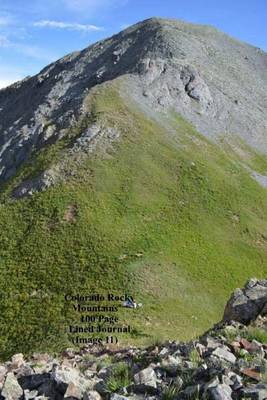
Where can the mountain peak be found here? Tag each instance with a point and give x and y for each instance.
(215, 82)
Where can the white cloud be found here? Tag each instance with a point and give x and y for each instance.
(67, 25)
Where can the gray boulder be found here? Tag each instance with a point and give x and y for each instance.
(246, 304)
(145, 381)
(70, 381)
(11, 389)
(146, 377)
(221, 392)
(224, 354)
(171, 364)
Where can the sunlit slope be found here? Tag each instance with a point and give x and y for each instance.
(169, 217)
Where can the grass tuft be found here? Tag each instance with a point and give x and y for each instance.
(120, 377)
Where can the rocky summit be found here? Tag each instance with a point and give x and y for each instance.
(214, 81)
(229, 362)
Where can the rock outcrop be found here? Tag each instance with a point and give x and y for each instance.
(246, 304)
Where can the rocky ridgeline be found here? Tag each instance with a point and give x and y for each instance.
(227, 362)
(213, 81)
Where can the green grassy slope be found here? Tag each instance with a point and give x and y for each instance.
(170, 217)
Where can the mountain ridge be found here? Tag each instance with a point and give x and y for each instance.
(194, 84)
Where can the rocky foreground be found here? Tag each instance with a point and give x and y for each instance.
(227, 362)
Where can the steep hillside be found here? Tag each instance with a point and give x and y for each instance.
(133, 167)
(161, 213)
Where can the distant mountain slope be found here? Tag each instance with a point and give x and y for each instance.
(217, 83)
(109, 187)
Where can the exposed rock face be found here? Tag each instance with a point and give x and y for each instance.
(83, 146)
(217, 83)
(246, 304)
(174, 84)
(42, 182)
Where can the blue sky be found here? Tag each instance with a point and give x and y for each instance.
(37, 32)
